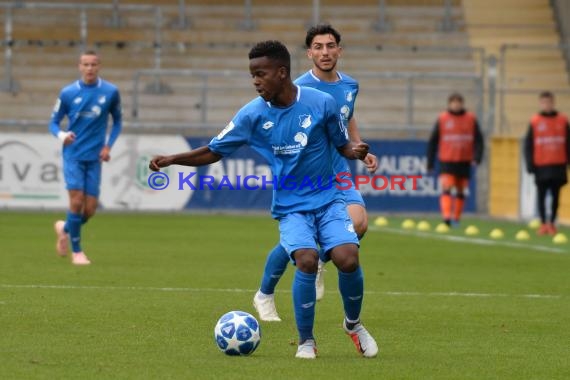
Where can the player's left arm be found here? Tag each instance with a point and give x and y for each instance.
(370, 161)
(337, 132)
(479, 144)
(117, 115)
(568, 143)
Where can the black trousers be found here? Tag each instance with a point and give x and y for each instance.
(543, 187)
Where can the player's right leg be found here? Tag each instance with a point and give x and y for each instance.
(298, 237)
(75, 174)
(541, 191)
(264, 300)
(445, 199)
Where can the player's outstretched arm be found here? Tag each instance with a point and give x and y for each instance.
(198, 157)
(354, 150)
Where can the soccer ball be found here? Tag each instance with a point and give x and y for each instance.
(237, 333)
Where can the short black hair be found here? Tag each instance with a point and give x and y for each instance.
(546, 94)
(455, 96)
(318, 30)
(273, 50)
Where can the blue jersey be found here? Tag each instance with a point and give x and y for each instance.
(87, 107)
(296, 141)
(344, 91)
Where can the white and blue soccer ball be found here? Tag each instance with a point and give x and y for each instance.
(237, 333)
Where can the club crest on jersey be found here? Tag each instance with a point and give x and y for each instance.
(267, 125)
(102, 99)
(349, 96)
(305, 121)
(541, 127)
(449, 124)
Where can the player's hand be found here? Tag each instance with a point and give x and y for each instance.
(105, 154)
(360, 150)
(371, 162)
(158, 162)
(69, 138)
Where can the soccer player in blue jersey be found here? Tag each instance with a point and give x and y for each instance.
(292, 127)
(323, 48)
(87, 103)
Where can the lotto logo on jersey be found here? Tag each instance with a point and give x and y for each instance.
(349, 96)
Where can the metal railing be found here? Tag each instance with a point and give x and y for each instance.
(506, 78)
(470, 84)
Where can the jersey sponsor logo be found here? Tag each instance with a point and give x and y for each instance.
(225, 131)
(96, 110)
(344, 112)
(301, 138)
(267, 125)
(77, 100)
(305, 121)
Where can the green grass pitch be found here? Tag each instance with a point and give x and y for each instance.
(441, 307)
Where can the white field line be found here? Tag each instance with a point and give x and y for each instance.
(470, 240)
(252, 291)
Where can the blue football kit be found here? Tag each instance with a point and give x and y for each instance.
(87, 107)
(344, 91)
(297, 142)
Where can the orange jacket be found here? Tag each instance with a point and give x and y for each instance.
(549, 139)
(456, 137)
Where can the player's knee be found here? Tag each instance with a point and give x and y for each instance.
(346, 257)
(76, 204)
(306, 260)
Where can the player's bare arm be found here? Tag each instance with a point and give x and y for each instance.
(354, 150)
(370, 161)
(198, 157)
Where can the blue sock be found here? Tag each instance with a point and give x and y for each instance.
(73, 225)
(304, 299)
(84, 220)
(351, 286)
(275, 266)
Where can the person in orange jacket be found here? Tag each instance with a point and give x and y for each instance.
(458, 143)
(547, 154)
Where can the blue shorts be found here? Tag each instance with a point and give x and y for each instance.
(82, 175)
(327, 227)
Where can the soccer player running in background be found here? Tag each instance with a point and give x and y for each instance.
(292, 127)
(324, 50)
(87, 103)
(457, 142)
(547, 154)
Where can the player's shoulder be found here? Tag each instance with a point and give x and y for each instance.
(306, 79)
(108, 86)
(563, 116)
(347, 79)
(313, 94)
(70, 87)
